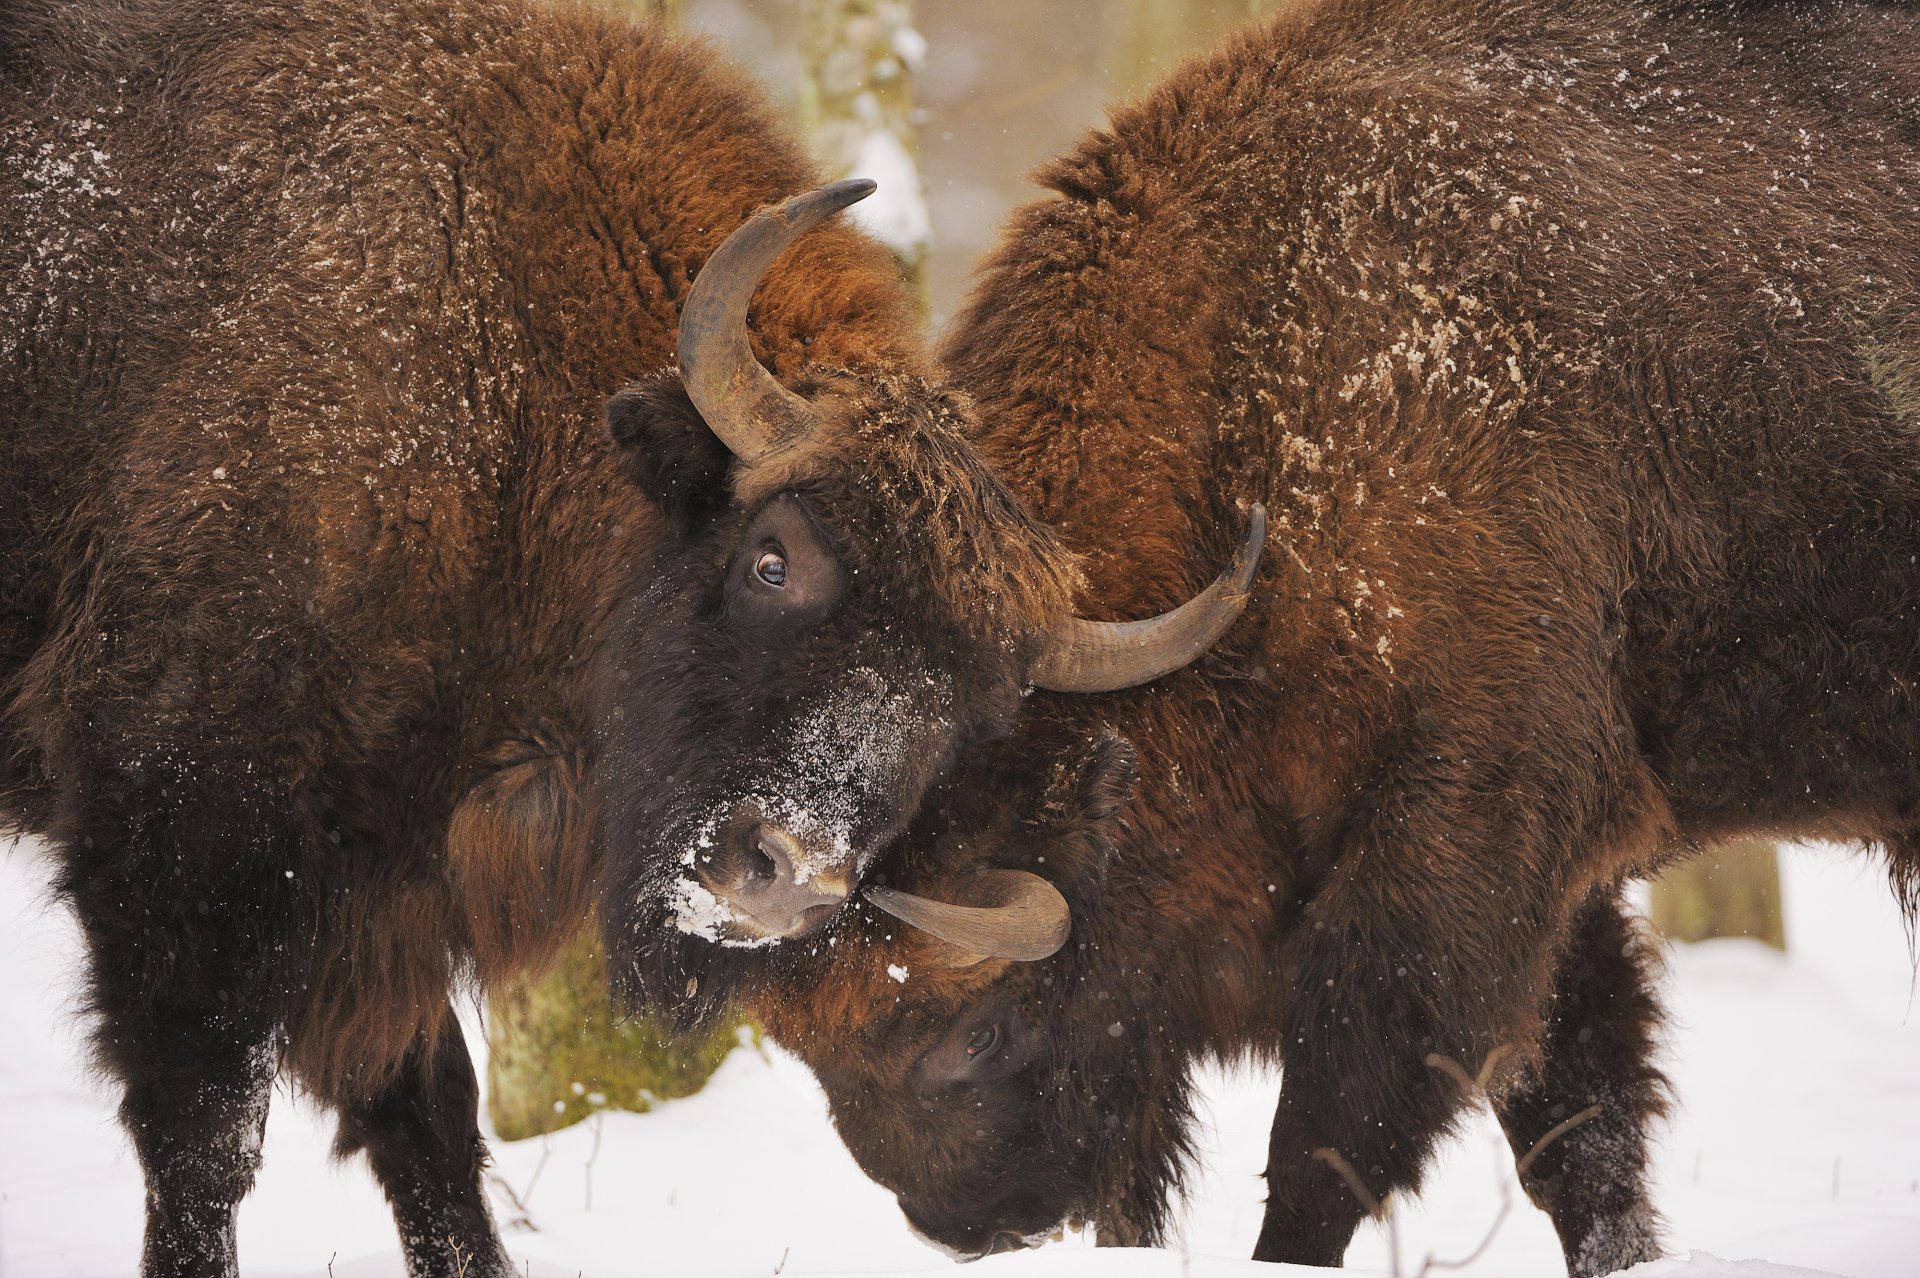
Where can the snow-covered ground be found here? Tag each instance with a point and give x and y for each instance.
(1795, 1149)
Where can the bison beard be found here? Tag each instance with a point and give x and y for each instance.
(1588, 432)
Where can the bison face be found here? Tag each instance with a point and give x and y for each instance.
(846, 598)
(992, 1095)
(805, 656)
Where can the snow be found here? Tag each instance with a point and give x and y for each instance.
(698, 912)
(846, 756)
(1794, 1151)
(895, 214)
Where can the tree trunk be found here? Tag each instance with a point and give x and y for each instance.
(1732, 889)
(559, 1050)
(856, 104)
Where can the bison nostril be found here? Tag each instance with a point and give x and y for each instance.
(762, 873)
(761, 867)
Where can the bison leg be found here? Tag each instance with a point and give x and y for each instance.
(181, 1022)
(1429, 950)
(1596, 1053)
(421, 1132)
(197, 1113)
(1357, 1099)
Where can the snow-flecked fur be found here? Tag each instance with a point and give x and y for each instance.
(326, 579)
(1575, 350)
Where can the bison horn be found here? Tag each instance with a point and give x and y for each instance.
(745, 405)
(1019, 915)
(1104, 656)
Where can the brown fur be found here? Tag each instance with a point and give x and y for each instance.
(475, 310)
(1570, 348)
(335, 602)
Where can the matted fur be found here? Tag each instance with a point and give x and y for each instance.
(315, 539)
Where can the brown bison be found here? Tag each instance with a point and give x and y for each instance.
(1575, 350)
(343, 635)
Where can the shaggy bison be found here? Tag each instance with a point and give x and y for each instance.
(349, 650)
(1575, 350)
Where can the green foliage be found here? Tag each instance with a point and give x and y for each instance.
(560, 1050)
(1731, 889)
(858, 58)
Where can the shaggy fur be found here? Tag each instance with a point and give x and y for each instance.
(330, 593)
(1572, 349)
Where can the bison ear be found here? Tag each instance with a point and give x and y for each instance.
(1081, 819)
(1105, 778)
(668, 448)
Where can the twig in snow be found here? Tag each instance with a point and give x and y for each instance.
(521, 1218)
(1506, 1195)
(1486, 1240)
(599, 1121)
(1374, 1207)
(546, 1148)
(1554, 1133)
(1476, 1087)
(524, 1220)
(784, 1253)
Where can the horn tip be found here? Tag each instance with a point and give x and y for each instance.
(1247, 562)
(839, 194)
(857, 188)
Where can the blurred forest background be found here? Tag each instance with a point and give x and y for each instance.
(996, 86)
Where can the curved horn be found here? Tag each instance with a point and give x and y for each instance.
(1104, 656)
(1021, 916)
(752, 413)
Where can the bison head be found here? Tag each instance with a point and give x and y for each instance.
(998, 1097)
(847, 597)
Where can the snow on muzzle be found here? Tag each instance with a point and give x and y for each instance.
(765, 884)
(775, 859)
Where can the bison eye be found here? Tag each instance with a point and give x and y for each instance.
(771, 568)
(983, 1043)
(975, 1052)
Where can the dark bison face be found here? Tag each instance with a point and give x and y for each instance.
(845, 599)
(803, 659)
(994, 1096)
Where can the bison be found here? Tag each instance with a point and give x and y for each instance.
(1575, 351)
(350, 650)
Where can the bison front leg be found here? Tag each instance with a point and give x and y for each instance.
(197, 1113)
(1595, 1061)
(1432, 942)
(421, 1134)
(181, 998)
